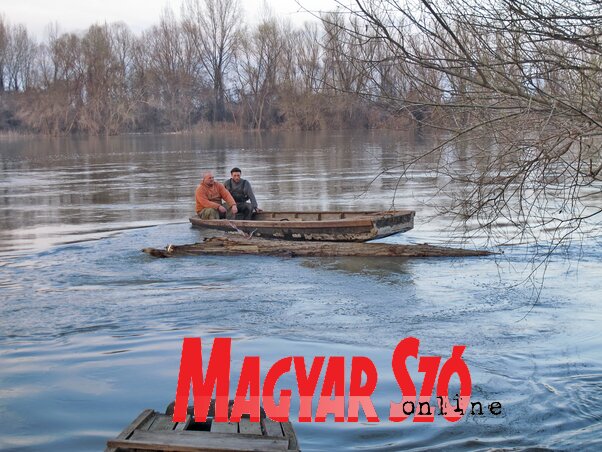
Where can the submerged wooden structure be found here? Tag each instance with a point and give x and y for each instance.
(321, 226)
(153, 431)
(236, 245)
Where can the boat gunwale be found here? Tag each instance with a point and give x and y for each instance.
(282, 224)
(356, 219)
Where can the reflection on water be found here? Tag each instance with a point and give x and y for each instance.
(53, 188)
(91, 328)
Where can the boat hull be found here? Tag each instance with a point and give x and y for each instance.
(321, 226)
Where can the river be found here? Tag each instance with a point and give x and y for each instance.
(91, 328)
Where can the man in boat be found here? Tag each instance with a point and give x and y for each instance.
(243, 195)
(209, 196)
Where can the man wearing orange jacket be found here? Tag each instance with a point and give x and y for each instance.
(209, 195)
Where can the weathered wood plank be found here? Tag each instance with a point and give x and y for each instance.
(180, 426)
(199, 441)
(147, 424)
(249, 428)
(271, 427)
(224, 427)
(235, 245)
(126, 432)
(289, 433)
(162, 422)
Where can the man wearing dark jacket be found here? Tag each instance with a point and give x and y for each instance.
(241, 191)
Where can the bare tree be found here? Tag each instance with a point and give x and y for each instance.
(518, 80)
(214, 26)
(20, 56)
(299, 92)
(56, 103)
(4, 33)
(171, 74)
(310, 59)
(257, 69)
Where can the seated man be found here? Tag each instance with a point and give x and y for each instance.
(209, 195)
(242, 192)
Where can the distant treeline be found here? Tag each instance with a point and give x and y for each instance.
(201, 67)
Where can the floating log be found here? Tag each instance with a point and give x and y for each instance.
(235, 245)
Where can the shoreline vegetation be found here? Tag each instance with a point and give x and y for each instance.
(201, 69)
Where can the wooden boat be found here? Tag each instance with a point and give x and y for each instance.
(323, 226)
(153, 431)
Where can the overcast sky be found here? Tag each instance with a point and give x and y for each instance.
(78, 15)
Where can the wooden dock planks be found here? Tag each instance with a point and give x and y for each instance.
(199, 441)
(272, 428)
(250, 428)
(224, 427)
(155, 431)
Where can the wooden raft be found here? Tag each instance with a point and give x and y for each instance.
(235, 245)
(155, 431)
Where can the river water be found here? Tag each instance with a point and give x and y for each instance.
(91, 329)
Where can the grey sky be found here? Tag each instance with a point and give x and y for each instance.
(77, 15)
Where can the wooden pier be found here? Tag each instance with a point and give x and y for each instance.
(153, 431)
